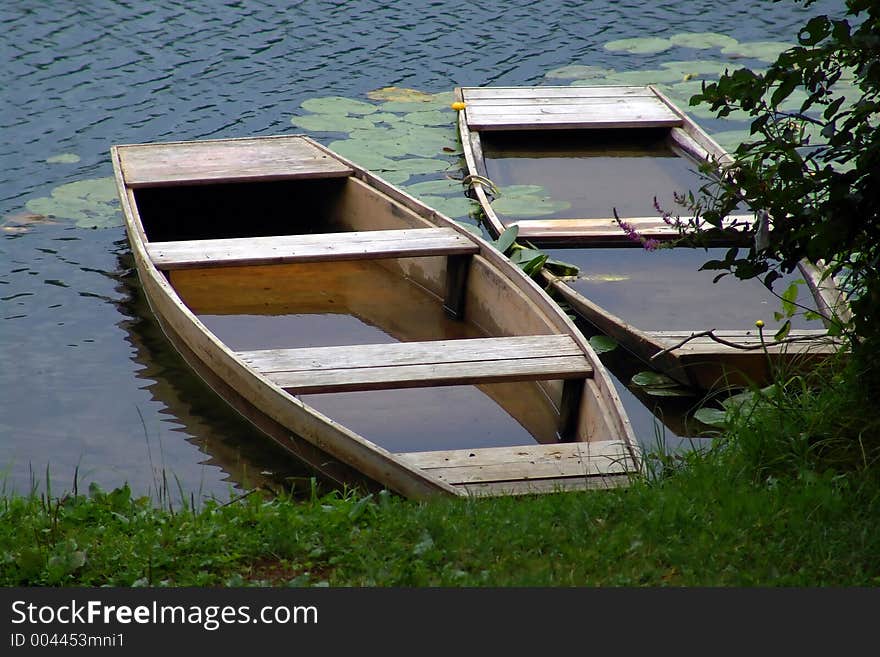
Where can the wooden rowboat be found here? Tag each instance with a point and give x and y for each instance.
(520, 132)
(293, 281)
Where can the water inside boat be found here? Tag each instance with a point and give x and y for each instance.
(663, 290)
(593, 170)
(339, 303)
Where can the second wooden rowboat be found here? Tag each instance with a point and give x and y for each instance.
(519, 132)
(302, 288)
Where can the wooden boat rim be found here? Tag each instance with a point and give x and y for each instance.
(375, 461)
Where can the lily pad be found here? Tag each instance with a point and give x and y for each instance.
(654, 380)
(521, 190)
(441, 187)
(451, 206)
(90, 203)
(331, 123)
(362, 153)
(576, 72)
(63, 158)
(714, 417)
(697, 67)
(703, 40)
(648, 76)
(640, 45)
(766, 51)
(667, 392)
(529, 206)
(338, 105)
(407, 139)
(394, 177)
(430, 117)
(400, 94)
(603, 343)
(472, 228)
(419, 165)
(404, 107)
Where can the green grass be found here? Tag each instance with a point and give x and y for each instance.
(696, 527)
(789, 497)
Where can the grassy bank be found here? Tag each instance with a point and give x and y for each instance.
(790, 497)
(698, 527)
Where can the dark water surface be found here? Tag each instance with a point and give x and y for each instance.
(87, 381)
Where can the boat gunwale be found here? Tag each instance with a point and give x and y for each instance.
(377, 463)
(696, 145)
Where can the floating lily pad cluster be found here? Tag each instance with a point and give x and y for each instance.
(403, 133)
(743, 402)
(90, 203)
(766, 51)
(681, 79)
(659, 385)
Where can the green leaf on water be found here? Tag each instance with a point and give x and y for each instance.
(703, 40)
(576, 72)
(476, 230)
(451, 206)
(63, 158)
(640, 45)
(400, 94)
(506, 239)
(714, 417)
(602, 344)
(766, 51)
(528, 205)
(560, 268)
(443, 187)
(91, 203)
(431, 118)
(654, 380)
(338, 105)
(667, 392)
(330, 123)
(361, 152)
(783, 331)
(534, 265)
(420, 165)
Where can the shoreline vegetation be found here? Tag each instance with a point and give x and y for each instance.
(780, 500)
(788, 494)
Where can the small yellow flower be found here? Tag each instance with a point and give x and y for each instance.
(760, 323)
(458, 106)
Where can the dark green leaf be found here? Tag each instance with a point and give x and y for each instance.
(602, 344)
(782, 333)
(506, 239)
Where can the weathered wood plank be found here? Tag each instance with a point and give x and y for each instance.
(576, 452)
(439, 374)
(226, 160)
(411, 353)
(486, 93)
(421, 364)
(587, 106)
(640, 112)
(604, 230)
(545, 486)
(814, 341)
(309, 248)
(587, 102)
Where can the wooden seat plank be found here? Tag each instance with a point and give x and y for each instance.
(493, 93)
(421, 364)
(323, 247)
(557, 462)
(226, 160)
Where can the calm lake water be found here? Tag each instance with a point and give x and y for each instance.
(88, 384)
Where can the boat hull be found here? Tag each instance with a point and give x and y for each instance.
(495, 303)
